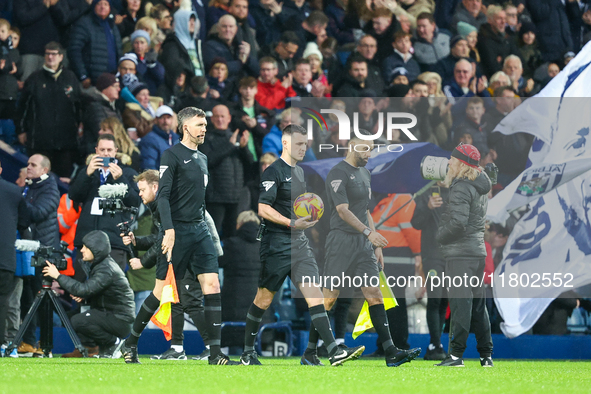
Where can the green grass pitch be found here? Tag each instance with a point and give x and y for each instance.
(363, 376)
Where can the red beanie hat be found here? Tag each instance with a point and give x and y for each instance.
(467, 154)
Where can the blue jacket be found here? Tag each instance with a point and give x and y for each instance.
(153, 145)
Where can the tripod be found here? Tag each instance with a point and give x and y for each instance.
(45, 298)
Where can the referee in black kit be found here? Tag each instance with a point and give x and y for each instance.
(349, 250)
(187, 241)
(285, 251)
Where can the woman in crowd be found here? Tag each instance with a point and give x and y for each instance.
(140, 114)
(126, 147)
(439, 107)
(149, 69)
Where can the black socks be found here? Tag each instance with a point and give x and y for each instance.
(213, 318)
(149, 307)
(322, 324)
(377, 313)
(253, 321)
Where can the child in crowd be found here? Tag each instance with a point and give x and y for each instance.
(9, 68)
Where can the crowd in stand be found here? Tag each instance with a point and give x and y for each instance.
(75, 71)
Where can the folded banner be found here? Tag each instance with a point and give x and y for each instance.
(163, 318)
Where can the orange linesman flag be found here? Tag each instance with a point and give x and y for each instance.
(162, 318)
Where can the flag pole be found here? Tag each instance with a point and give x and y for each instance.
(421, 191)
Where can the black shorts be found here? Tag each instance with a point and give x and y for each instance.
(283, 255)
(193, 249)
(350, 255)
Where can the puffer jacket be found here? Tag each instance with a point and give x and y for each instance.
(106, 288)
(226, 164)
(88, 50)
(427, 54)
(461, 229)
(43, 198)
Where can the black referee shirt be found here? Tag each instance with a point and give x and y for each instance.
(181, 192)
(346, 184)
(281, 184)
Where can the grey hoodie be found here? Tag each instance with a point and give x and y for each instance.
(461, 229)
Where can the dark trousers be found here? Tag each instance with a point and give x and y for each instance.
(62, 160)
(436, 301)
(224, 216)
(7, 283)
(31, 286)
(468, 308)
(191, 302)
(99, 328)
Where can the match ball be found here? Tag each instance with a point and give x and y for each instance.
(308, 204)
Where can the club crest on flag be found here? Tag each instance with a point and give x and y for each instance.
(539, 180)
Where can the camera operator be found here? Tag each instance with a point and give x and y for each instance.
(42, 198)
(84, 189)
(190, 294)
(108, 293)
(461, 235)
(13, 212)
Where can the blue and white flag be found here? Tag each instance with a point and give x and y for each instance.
(549, 250)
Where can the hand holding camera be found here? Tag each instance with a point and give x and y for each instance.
(50, 270)
(128, 238)
(103, 162)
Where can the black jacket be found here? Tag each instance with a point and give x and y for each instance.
(493, 46)
(428, 221)
(96, 109)
(84, 189)
(150, 243)
(42, 200)
(461, 230)
(8, 81)
(174, 55)
(106, 288)
(384, 40)
(226, 164)
(88, 51)
(215, 47)
(553, 29)
(241, 263)
(15, 216)
(49, 110)
(38, 25)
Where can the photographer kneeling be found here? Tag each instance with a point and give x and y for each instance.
(107, 290)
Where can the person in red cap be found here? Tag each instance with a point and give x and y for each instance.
(461, 235)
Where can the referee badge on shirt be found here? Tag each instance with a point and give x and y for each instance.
(162, 170)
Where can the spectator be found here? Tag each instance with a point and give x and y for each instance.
(474, 125)
(550, 18)
(463, 86)
(220, 86)
(175, 84)
(228, 156)
(431, 45)
(439, 108)
(38, 24)
(271, 92)
(513, 68)
(140, 114)
(509, 152)
(250, 115)
(49, 112)
(368, 116)
(337, 28)
(13, 211)
(469, 11)
(42, 199)
(271, 20)
(512, 19)
(126, 22)
(107, 290)
(400, 76)
(163, 18)
(410, 10)
(368, 48)
(401, 58)
(312, 29)
(554, 319)
(95, 44)
(10, 64)
(494, 44)
(158, 140)
(127, 65)
(127, 153)
(149, 69)
(100, 105)
(470, 33)
(382, 28)
(459, 50)
(313, 55)
(226, 44)
(302, 81)
(241, 264)
(498, 80)
(239, 10)
(215, 10)
(197, 96)
(84, 190)
(354, 84)
(283, 52)
(182, 48)
(528, 49)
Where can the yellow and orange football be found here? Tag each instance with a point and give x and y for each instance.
(309, 204)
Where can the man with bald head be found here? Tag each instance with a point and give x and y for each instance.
(239, 55)
(228, 157)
